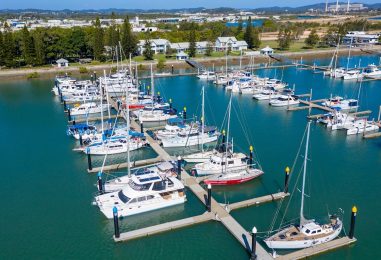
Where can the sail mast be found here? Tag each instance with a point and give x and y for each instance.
(228, 131)
(152, 88)
(203, 118)
(302, 219)
(128, 133)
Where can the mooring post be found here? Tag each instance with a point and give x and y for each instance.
(80, 139)
(116, 222)
(251, 156)
(90, 167)
(64, 105)
(286, 177)
(68, 115)
(158, 97)
(253, 244)
(100, 183)
(223, 137)
(353, 222)
(172, 69)
(141, 128)
(170, 103)
(185, 113)
(179, 167)
(73, 122)
(209, 202)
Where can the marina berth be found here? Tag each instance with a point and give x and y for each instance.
(371, 72)
(143, 193)
(173, 127)
(195, 136)
(114, 146)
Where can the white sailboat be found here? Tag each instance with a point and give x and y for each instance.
(88, 108)
(307, 232)
(284, 100)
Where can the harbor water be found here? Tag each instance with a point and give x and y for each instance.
(47, 194)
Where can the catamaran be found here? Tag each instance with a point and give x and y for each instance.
(307, 232)
(144, 193)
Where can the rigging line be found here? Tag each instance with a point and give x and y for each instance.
(291, 175)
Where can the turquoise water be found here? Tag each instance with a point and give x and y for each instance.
(47, 192)
(255, 23)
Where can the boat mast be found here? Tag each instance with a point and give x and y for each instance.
(302, 219)
(349, 54)
(228, 131)
(102, 95)
(128, 133)
(152, 88)
(203, 119)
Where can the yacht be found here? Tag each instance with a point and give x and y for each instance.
(371, 72)
(195, 136)
(218, 161)
(164, 169)
(115, 146)
(284, 100)
(343, 104)
(340, 121)
(208, 75)
(88, 108)
(352, 74)
(266, 95)
(307, 232)
(172, 128)
(359, 127)
(144, 193)
(155, 115)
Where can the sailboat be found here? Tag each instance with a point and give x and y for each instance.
(195, 135)
(155, 115)
(227, 167)
(307, 232)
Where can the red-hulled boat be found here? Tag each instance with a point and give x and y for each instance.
(233, 177)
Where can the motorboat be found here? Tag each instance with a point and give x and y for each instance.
(352, 74)
(114, 146)
(284, 100)
(207, 75)
(360, 126)
(371, 72)
(88, 108)
(195, 136)
(164, 169)
(144, 193)
(172, 128)
(267, 95)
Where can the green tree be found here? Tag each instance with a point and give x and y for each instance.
(129, 41)
(192, 43)
(77, 42)
(1, 49)
(39, 44)
(209, 49)
(148, 52)
(248, 36)
(239, 27)
(112, 38)
(284, 38)
(28, 49)
(9, 47)
(161, 64)
(98, 40)
(312, 39)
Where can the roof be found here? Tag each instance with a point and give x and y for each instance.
(62, 61)
(154, 41)
(267, 48)
(226, 39)
(241, 43)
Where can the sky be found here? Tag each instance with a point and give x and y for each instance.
(153, 4)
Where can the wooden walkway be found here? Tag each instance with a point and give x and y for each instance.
(117, 166)
(256, 201)
(152, 230)
(319, 249)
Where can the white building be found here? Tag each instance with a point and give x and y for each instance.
(267, 50)
(360, 38)
(348, 7)
(184, 46)
(181, 56)
(143, 28)
(62, 63)
(226, 43)
(157, 45)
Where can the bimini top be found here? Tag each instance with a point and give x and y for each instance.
(176, 120)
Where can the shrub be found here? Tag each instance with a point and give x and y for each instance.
(33, 75)
(83, 70)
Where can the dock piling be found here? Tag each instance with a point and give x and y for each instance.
(141, 128)
(100, 183)
(116, 222)
(68, 115)
(64, 105)
(353, 222)
(170, 103)
(209, 202)
(286, 177)
(89, 164)
(179, 167)
(251, 156)
(253, 244)
(80, 139)
(185, 113)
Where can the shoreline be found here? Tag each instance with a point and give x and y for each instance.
(44, 72)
